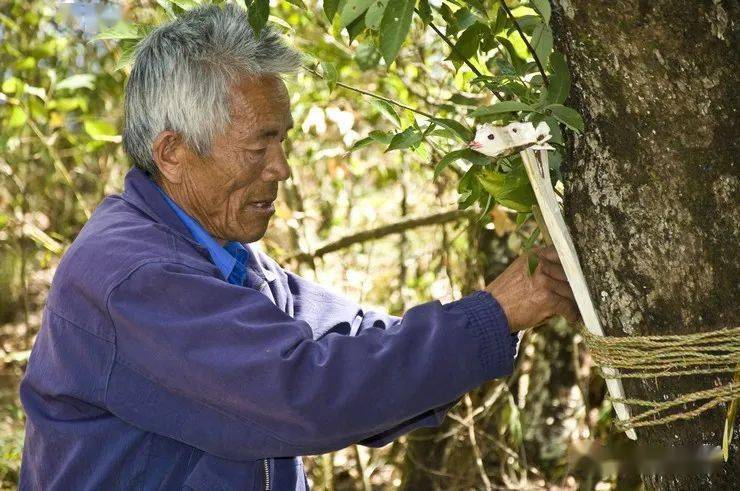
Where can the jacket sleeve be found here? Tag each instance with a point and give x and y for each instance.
(327, 311)
(221, 368)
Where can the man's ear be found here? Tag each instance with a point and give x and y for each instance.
(170, 154)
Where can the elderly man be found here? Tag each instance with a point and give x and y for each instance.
(174, 356)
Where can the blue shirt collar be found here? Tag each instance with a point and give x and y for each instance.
(231, 259)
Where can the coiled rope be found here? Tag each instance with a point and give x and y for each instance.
(645, 357)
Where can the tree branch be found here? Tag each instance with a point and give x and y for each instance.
(385, 230)
(526, 41)
(371, 94)
(472, 67)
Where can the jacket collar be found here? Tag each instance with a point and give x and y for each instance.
(142, 192)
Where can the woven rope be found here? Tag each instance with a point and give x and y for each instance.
(646, 357)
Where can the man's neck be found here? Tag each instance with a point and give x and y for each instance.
(164, 186)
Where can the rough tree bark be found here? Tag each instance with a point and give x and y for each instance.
(652, 184)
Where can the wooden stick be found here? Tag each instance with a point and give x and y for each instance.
(538, 171)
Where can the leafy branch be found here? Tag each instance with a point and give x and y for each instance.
(465, 59)
(370, 94)
(526, 42)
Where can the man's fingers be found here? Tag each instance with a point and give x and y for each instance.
(548, 253)
(561, 288)
(553, 270)
(568, 309)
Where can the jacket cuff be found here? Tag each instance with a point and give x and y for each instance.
(488, 323)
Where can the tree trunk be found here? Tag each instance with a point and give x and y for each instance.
(652, 185)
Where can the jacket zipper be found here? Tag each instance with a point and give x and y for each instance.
(266, 467)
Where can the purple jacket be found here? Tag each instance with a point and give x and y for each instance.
(152, 372)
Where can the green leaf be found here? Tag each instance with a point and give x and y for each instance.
(479, 5)
(529, 243)
(101, 130)
(330, 8)
(394, 28)
(126, 57)
(25, 63)
(386, 109)
(557, 135)
(363, 142)
(463, 132)
(501, 107)
(298, 3)
(468, 188)
(12, 85)
(17, 118)
(381, 136)
(543, 8)
(356, 27)
(542, 42)
(258, 13)
(430, 127)
(367, 56)
(521, 218)
(487, 202)
(476, 158)
(566, 115)
(502, 21)
(447, 160)
(446, 12)
(511, 417)
(519, 63)
(465, 18)
(122, 30)
(425, 12)
(167, 7)
(185, 4)
(559, 78)
(67, 104)
(351, 10)
(409, 137)
(83, 80)
(532, 259)
(329, 74)
(374, 14)
(464, 100)
(468, 42)
(511, 189)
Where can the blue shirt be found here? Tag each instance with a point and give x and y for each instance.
(152, 372)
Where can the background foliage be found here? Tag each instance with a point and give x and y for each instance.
(384, 108)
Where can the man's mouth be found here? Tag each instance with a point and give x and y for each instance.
(263, 206)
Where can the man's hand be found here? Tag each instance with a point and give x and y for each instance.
(530, 300)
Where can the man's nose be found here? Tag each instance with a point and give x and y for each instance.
(278, 168)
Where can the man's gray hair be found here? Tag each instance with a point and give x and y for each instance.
(182, 73)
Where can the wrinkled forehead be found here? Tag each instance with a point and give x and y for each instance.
(259, 98)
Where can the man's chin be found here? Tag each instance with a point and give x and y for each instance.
(254, 233)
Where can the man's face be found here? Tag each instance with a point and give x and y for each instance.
(222, 190)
